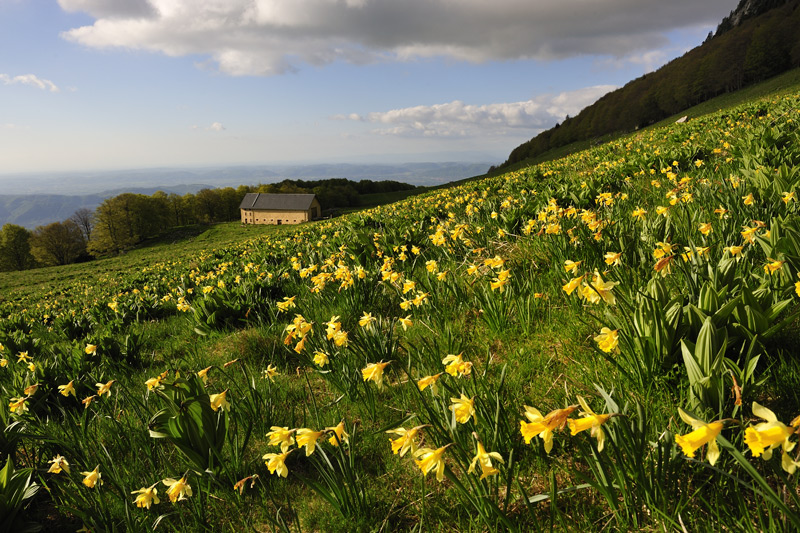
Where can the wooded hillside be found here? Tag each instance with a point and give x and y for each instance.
(736, 56)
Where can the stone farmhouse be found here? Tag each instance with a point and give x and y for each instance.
(263, 208)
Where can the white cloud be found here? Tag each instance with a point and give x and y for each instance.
(457, 119)
(262, 37)
(29, 79)
(216, 126)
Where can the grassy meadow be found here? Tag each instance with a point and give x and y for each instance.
(607, 341)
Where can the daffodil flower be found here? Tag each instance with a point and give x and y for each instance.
(590, 420)
(405, 322)
(91, 479)
(276, 463)
(456, 366)
(321, 358)
(429, 381)
(281, 436)
(608, 340)
(484, 459)
(17, 405)
(366, 320)
(339, 434)
(270, 372)
(573, 284)
(177, 490)
(543, 426)
(218, 401)
(704, 433)
(308, 438)
(405, 440)
(599, 289)
(147, 496)
(374, 372)
(104, 388)
(59, 464)
(463, 408)
(766, 436)
(429, 460)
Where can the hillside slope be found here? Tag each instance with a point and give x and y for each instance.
(607, 341)
(754, 49)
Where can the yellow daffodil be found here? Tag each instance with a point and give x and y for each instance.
(276, 463)
(339, 434)
(203, 374)
(463, 408)
(543, 426)
(177, 490)
(748, 200)
(91, 479)
(429, 381)
(773, 266)
(88, 401)
(705, 228)
(599, 290)
(154, 383)
(91, 349)
(664, 265)
(281, 436)
(58, 464)
(613, 258)
(374, 372)
(147, 496)
(456, 366)
(428, 460)
(321, 358)
(218, 401)
(484, 459)
(573, 284)
(405, 441)
(17, 405)
(270, 372)
(366, 320)
(766, 436)
(308, 438)
(405, 322)
(704, 433)
(286, 304)
(592, 421)
(608, 340)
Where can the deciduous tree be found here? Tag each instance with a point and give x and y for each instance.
(15, 248)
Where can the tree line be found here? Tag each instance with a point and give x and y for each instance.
(757, 49)
(123, 221)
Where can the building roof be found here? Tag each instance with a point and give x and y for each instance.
(279, 202)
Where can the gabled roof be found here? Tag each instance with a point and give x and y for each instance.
(283, 202)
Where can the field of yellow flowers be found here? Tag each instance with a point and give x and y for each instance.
(609, 341)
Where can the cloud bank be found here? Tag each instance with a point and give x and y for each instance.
(29, 79)
(457, 119)
(265, 37)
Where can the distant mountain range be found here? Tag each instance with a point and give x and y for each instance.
(31, 200)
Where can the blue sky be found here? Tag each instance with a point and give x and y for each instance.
(112, 84)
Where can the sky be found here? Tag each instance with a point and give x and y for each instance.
(117, 84)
